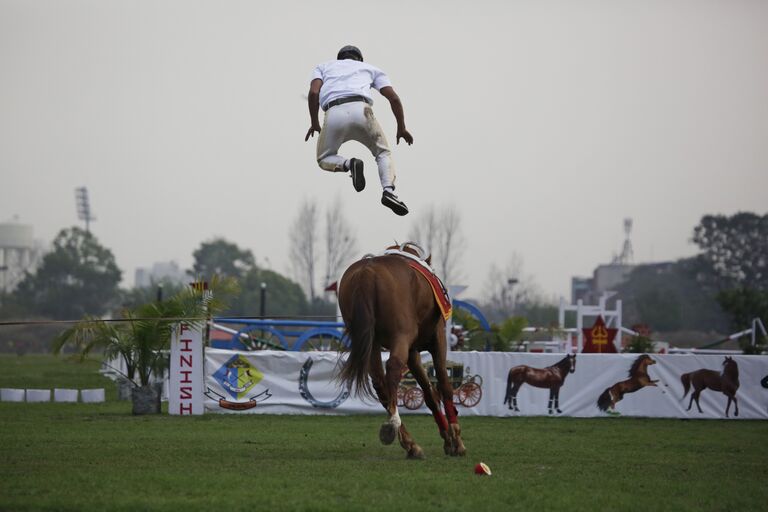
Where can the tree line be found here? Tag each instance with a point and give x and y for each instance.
(723, 287)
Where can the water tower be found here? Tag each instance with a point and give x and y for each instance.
(17, 253)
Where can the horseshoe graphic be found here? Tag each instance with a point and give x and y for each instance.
(306, 395)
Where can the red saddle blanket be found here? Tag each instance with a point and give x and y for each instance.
(438, 289)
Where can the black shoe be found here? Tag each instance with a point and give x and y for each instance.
(356, 170)
(390, 200)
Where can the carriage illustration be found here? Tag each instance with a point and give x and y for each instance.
(467, 390)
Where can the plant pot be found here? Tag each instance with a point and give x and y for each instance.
(124, 387)
(146, 399)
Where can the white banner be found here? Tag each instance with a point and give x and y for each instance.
(185, 389)
(274, 382)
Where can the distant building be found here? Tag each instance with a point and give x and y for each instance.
(604, 278)
(161, 271)
(581, 287)
(608, 277)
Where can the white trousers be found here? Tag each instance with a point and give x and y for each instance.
(354, 121)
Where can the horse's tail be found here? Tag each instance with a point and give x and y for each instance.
(686, 380)
(360, 328)
(604, 400)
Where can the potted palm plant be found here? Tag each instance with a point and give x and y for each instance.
(141, 337)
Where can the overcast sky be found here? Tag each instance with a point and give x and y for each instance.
(545, 123)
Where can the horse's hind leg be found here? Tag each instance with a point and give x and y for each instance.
(394, 427)
(395, 367)
(446, 390)
(557, 400)
(378, 379)
(431, 397)
(695, 397)
(513, 403)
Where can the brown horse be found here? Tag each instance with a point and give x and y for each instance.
(726, 382)
(386, 304)
(638, 379)
(552, 377)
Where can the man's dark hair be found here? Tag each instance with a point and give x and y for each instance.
(350, 52)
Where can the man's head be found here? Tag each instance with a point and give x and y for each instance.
(350, 52)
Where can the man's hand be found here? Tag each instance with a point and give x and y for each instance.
(311, 132)
(397, 109)
(313, 101)
(405, 135)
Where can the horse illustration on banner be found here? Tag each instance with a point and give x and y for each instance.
(551, 377)
(638, 379)
(726, 382)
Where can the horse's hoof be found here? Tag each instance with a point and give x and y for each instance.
(387, 433)
(559, 411)
(416, 453)
(460, 450)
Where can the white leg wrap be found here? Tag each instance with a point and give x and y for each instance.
(395, 420)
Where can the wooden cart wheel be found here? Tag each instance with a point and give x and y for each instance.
(400, 396)
(470, 394)
(413, 398)
(323, 342)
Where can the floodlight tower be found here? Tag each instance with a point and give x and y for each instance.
(84, 207)
(627, 255)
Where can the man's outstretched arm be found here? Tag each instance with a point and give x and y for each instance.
(397, 109)
(313, 100)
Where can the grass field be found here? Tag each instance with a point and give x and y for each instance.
(99, 457)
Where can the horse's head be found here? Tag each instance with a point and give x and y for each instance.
(730, 366)
(572, 361)
(640, 364)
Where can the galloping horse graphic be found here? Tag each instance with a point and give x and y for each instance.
(552, 377)
(726, 382)
(638, 379)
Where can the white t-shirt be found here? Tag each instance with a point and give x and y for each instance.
(342, 78)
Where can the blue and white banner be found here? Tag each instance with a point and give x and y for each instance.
(502, 384)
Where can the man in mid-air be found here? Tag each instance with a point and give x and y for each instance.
(342, 87)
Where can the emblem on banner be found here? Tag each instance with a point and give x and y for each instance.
(599, 338)
(307, 395)
(238, 377)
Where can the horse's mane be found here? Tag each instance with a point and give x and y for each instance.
(636, 365)
(564, 362)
